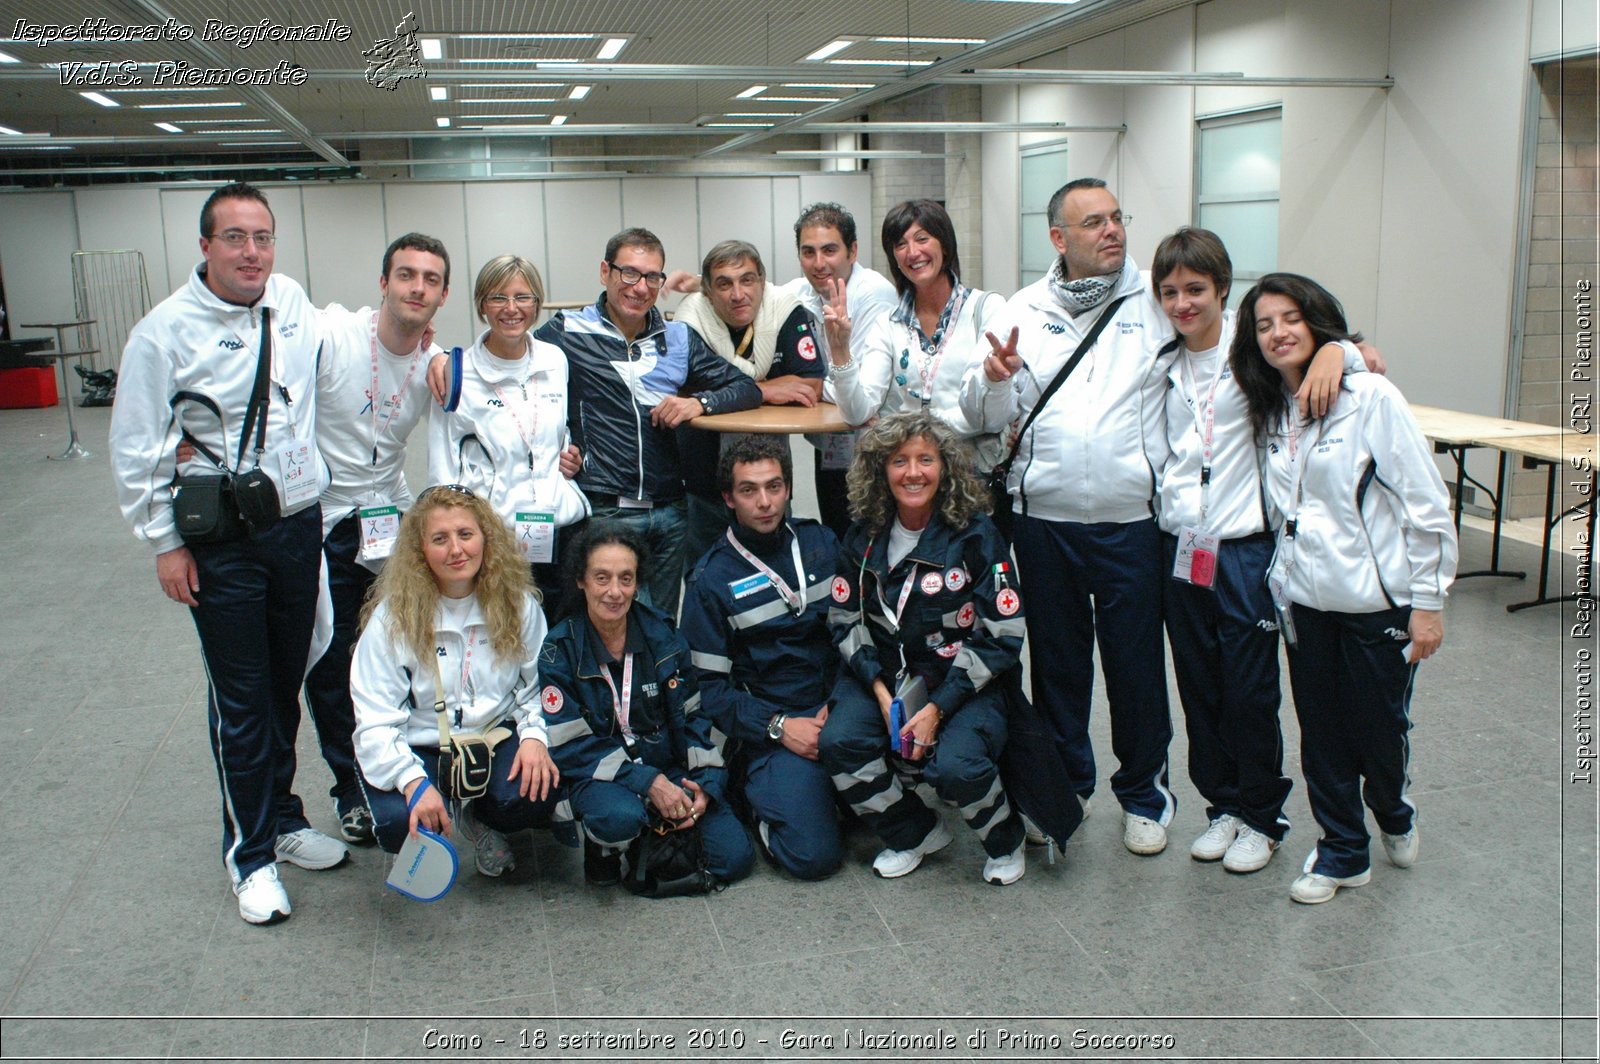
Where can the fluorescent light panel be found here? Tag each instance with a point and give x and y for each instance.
(612, 48)
(831, 48)
(827, 85)
(523, 62)
(579, 92)
(438, 94)
(442, 122)
(169, 127)
(508, 99)
(754, 90)
(252, 143)
(929, 40)
(801, 99)
(8, 131)
(432, 48)
(558, 120)
(7, 58)
(496, 118)
(187, 106)
(524, 36)
(884, 62)
(99, 98)
(762, 114)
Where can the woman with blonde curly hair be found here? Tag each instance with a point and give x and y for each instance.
(450, 648)
(929, 625)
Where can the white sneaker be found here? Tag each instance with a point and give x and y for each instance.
(892, 864)
(1217, 838)
(311, 850)
(1402, 849)
(1032, 835)
(1003, 871)
(1142, 835)
(262, 899)
(1250, 852)
(492, 853)
(1311, 888)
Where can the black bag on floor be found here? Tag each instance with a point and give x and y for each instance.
(663, 863)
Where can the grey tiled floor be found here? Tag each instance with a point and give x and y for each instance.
(118, 936)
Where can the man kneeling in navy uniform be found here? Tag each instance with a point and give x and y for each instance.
(756, 619)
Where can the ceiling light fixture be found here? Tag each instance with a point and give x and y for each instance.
(169, 127)
(885, 62)
(187, 106)
(99, 98)
(442, 122)
(8, 131)
(512, 85)
(579, 92)
(827, 85)
(828, 49)
(432, 48)
(612, 48)
(496, 118)
(5, 58)
(438, 93)
(508, 99)
(762, 114)
(930, 40)
(754, 90)
(524, 36)
(558, 120)
(801, 99)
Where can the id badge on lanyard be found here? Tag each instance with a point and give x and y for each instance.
(1196, 560)
(838, 450)
(536, 536)
(380, 528)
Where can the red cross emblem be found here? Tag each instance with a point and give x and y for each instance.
(1007, 602)
(807, 349)
(841, 589)
(965, 616)
(552, 700)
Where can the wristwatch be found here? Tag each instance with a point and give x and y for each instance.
(775, 727)
(705, 401)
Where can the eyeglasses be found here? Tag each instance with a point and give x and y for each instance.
(630, 276)
(499, 301)
(1096, 222)
(455, 489)
(238, 238)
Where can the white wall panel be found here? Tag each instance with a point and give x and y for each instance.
(784, 264)
(344, 232)
(667, 207)
(736, 208)
(580, 217)
(38, 234)
(1562, 28)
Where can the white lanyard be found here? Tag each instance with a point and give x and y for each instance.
(928, 367)
(466, 690)
(621, 705)
(1206, 428)
(793, 597)
(527, 436)
(905, 595)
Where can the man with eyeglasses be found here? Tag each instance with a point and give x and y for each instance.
(189, 372)
(1083, 484)
(627, 366)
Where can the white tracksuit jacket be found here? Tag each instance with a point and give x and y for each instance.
(1373, 524)
(365, 444)
(194, 342)
(1092, 454)
(500, 464)
(394, 694)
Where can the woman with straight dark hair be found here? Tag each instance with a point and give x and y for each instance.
(1366, 551)
(914, 359)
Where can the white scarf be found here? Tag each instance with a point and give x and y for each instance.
(776, 306)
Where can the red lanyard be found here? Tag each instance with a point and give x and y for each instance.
(506, 404)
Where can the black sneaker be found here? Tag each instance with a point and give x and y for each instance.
(601, 868)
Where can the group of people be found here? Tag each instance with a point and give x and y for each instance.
(505, 650)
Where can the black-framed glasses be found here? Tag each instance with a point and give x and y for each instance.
(454, 489)
(630, 276)
(1096, 222)
(238, 238)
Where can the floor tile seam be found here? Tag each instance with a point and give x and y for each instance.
(82, 873)
(1084, 949)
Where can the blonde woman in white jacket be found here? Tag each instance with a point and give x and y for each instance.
(452, 622)
(503, 429)
(1366, 551)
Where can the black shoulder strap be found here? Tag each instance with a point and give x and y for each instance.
(1061, 376)
(256, 415)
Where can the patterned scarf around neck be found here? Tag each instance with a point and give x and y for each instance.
(1085, 293)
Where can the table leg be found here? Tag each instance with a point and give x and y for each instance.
(1497, 498)
(74, 448)
(1550, 519)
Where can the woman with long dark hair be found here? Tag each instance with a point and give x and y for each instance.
(1366, 551)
